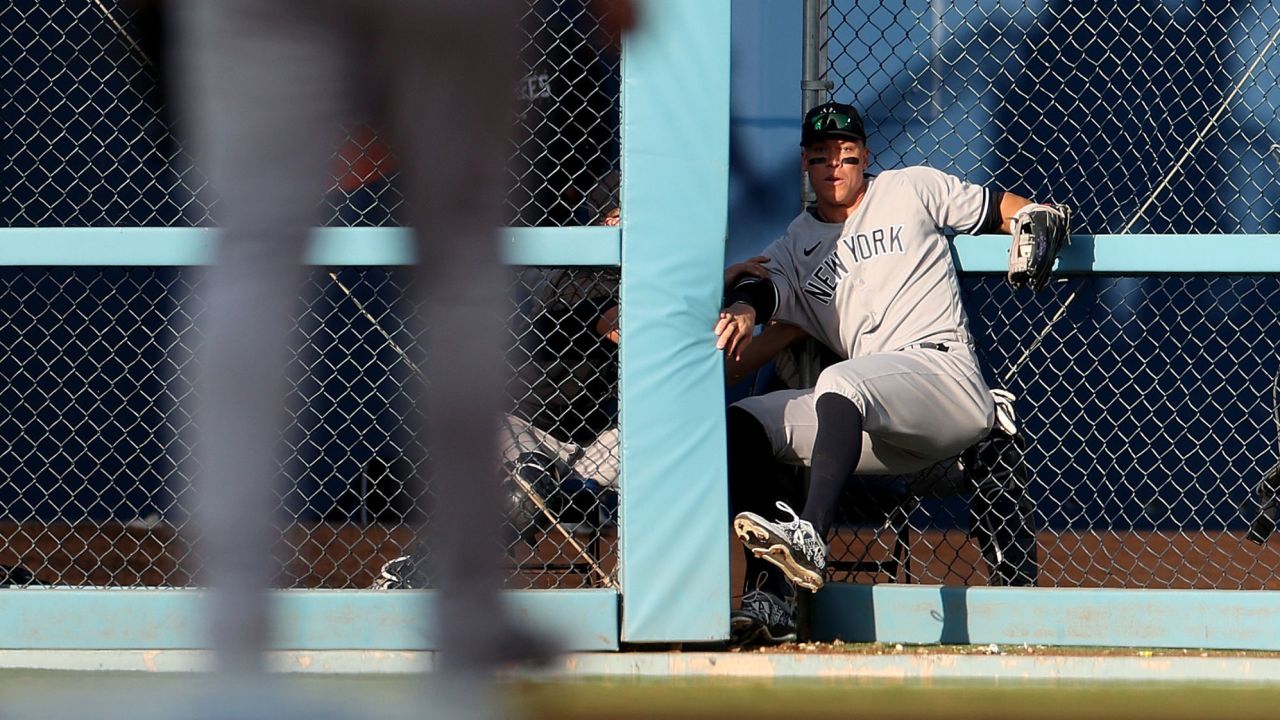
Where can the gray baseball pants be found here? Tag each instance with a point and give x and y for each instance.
(264, 85)
(919, 406)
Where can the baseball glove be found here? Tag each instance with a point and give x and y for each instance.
(1039, 234)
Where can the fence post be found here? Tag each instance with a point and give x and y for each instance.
(675, 134)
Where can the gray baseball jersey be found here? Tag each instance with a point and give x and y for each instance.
(872, 289)
(883, 279)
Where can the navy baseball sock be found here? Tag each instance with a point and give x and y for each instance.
(836, 450)
(754, 486)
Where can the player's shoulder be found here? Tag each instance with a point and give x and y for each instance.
(912, 175)
(921, 181)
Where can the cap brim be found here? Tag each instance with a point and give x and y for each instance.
(813, 136)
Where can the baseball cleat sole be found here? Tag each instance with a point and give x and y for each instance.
(765, 546)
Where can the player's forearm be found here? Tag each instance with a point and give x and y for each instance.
(1010, 204)
(767, 344)
(758, 293)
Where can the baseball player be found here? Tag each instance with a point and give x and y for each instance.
(264, 86)
(867, 271)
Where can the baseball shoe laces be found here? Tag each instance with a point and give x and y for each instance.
(763, 618)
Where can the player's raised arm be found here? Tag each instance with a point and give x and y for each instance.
(1010, 204)
(1039, 231)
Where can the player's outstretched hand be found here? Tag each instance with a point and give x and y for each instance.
(734, 329)
(753, 266)
(1040, 232)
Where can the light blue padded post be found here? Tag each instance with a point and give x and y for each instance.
(675, 140)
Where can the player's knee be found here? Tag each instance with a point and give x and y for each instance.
(834, 383)
(831, 381)
(964, 427)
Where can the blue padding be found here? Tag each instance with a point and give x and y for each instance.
(1135, 254)
(674, 544)
(1211, 619)
(580, 246)
(562, 247)
(145, 619)
(360, 247)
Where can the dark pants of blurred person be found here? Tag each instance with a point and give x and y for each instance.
(264, 85)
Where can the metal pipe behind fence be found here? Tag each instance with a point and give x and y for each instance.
(813, 82)
(816, 35)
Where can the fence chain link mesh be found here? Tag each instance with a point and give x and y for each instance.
(1147, 418)
(88, 128)
(1145, 445)
(86, 135)
(1091, 104)
(98, 435)
(96, 452)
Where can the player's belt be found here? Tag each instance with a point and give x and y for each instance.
(940, 347)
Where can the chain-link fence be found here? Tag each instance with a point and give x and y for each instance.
(1147, 416)
(1147, 425)
(97, 435)
(89, 135)
(95, 455)
(1101, 106)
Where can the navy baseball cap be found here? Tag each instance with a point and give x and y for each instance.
(832, 120)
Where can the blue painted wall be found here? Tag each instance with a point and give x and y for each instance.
(764, 160)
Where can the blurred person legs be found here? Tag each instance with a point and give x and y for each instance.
(261, 85)
(449, 112)
(265, 83)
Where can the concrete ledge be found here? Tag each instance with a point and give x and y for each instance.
(906, 666)
(920, 666)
